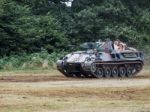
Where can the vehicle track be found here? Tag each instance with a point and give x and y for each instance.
(143, 79)
(60, 77)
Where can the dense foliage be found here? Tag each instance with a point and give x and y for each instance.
(25, 32)
(29, 26)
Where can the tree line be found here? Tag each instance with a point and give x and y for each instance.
(29, 26)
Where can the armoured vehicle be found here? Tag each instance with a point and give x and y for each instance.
(102, 59)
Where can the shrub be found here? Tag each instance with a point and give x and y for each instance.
(36, 60)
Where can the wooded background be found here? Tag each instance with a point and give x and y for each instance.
(43, 29)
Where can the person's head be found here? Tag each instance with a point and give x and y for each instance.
(118, 40)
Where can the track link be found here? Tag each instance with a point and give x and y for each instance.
(120, 69)
(107, 70)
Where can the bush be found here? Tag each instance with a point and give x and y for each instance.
(146, 50)
(44, 60)
(36, 60)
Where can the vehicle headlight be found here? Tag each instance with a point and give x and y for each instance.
(65, 58)
(88, 59)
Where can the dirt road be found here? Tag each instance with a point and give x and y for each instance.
(58, 80)
(52, 92)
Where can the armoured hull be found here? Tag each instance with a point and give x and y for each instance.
(98, 64)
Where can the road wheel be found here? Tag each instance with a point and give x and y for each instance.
(107, 72)
(99, 73)
(65, 73)
(129, 71)
(88, 75)
(79, 75)
(93, 67)
(122, 72)
(115, 72)
(138, 67)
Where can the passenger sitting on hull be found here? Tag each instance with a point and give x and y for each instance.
(119, 46)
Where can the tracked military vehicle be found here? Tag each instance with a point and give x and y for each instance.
(102, 59)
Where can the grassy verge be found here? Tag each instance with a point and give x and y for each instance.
(100, 100)
(28, 72)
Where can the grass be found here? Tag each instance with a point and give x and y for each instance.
(26, 97)
(42, 97)
(80, 106)
(28, 72)
(54, 104)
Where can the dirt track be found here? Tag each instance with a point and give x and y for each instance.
(56, 76)
(52, 92)
(58, 80)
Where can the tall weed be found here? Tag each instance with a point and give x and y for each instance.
(29, 61)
